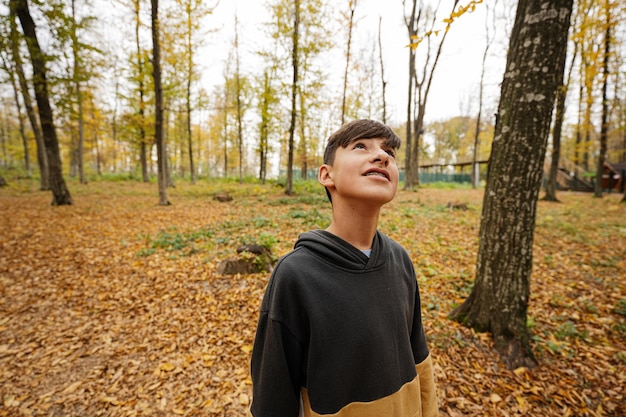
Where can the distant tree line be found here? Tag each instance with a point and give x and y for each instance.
(276, 115)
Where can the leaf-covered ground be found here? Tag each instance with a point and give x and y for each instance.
(113, 307)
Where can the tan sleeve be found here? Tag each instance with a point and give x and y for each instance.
(428, 390)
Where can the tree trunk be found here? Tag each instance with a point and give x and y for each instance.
(498, 302)
(352, 5)
(192, 168)
(557, 131)
(383, 82)
(158, 101)
(474, 174)
(294, 98)
(556, 144)
(422, 89)
(411, 25)
(81, 138)
(143, 146)
(80, 150)
(239, 104)
(264, 127)
(16, 95)
(60, 193)
(605, 107)
(42, 160)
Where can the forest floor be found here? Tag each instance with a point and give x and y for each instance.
(112, 306)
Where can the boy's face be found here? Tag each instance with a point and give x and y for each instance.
(365, 170)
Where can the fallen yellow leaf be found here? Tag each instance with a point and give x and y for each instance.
(495, 398)
(167, 367)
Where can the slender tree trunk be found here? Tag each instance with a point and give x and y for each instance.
(81, 138)
(4, 137)
(557, 131)
(96, 145)
(143, 160)
(488, 41)
(577, 150)
(239, 104)
(192, 168)
(143, 146)
(294, 98)
(556, 144)
(42, 160)
(411, 25)
(158, 101)
(79, 99)
(605, 106)
(423, 90)
(303, 146)
(60, 192)
(169, 180)
(352, 5)
(535, 64)
(383, 81)
(20, 117)
(264, 127)
(418, 123)
(225, 127)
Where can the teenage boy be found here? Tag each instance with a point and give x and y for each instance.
(340, 331)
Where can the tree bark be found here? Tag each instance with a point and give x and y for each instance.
(16, 95)
(421, 91)
(556, 144)
(498, 302)
(238, 87)
(42, 160)
(190, 50)
(557, 132)
(411, 25)
(352, 4)
(264, 126)
(60, 192)
(143, 146)
(383, 81)
(80, 150)
(474, 174)
(294, 93)
(605, 107)
(158, 102)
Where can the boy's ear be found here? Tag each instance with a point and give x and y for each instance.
(324, 175)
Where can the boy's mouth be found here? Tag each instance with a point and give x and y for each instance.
(377, 172)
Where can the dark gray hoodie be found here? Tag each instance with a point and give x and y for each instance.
(338, 328)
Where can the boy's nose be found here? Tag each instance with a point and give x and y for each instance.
(380, 155)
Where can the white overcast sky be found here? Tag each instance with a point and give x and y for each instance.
(456, 80)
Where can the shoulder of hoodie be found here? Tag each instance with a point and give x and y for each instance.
(394, 246)
(300, 254)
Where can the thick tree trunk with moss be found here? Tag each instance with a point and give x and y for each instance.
(498, 302)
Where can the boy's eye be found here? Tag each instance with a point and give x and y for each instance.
(359, 146)
(391, 152)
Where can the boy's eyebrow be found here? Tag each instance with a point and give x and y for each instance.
(386, 142)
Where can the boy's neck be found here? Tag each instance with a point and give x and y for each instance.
(356, 227)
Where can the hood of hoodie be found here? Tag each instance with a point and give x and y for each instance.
(331, 248)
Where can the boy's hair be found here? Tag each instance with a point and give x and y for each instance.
(355, 130)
